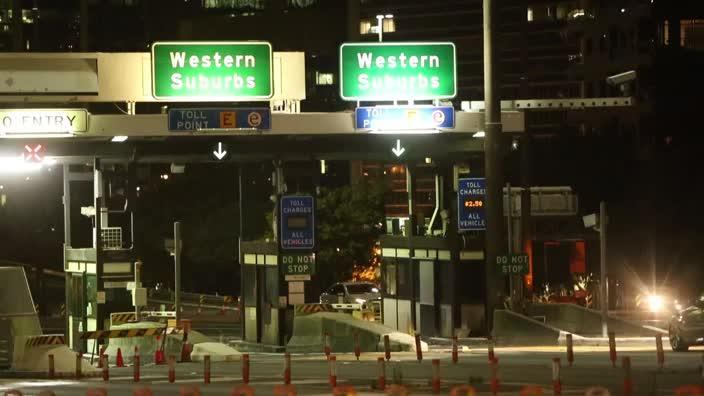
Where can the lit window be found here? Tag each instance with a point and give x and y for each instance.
(388, 25)
(365, 27)
(692, 34)
(323, 78)
(529, 14)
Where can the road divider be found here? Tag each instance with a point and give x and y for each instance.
(419, 351)
(206, 369)
(435, 382)
(627, 381)
(105, 366)
(570, 350)
(332, 372)
(455, 356)
(381, 378)
(612, 348)
(172, 369)
(387, 347)
(556, 382)
(287, 368)
(490, 350)
(494, 381)
(136, 364)
(356, 345)
(79, 363)
(52, 369)
(327, 349)
(245, 368)
(660, 351)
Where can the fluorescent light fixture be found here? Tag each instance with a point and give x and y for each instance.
(119, 139)
(389, 16)
(480, 134)
(18, 165)
(405, 131)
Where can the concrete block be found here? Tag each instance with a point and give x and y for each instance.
(511, 328)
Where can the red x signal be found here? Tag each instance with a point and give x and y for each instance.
(33, 153)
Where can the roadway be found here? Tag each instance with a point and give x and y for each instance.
(517, 367)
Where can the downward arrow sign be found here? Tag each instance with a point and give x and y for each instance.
(398, 150)
(220, 154)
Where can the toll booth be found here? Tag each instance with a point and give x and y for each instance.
(97, 277)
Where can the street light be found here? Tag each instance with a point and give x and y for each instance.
(380, 24)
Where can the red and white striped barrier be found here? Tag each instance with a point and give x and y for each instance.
(556, 383)
(327, 348)
(245, 369)
(419, 351)
(612, 348)
(570, 350)
(332, 372)
(436, 376)
(494, 368)
(660, 351)
(455, 357)
(52, 371)
(206, 369)
(381, 378)
(627, 381)
(287, 368)
(387, 347)
(172, 369)
(104, 363)
(136, 364)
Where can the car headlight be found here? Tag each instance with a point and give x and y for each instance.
(655, 303)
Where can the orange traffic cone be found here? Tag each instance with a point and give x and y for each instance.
(119, 362)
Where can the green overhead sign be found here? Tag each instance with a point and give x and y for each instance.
(403, 71)
(212, 71)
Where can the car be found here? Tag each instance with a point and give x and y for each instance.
(351, 293)
(686, 327)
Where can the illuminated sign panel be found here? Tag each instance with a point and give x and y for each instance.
(297, 222)
(398, 71)
(22, 122)
(212, 71)
(382, 118)
(471, 202)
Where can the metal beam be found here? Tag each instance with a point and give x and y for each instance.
(553, 104)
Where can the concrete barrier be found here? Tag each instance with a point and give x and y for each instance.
(511, 328)
(148, 345)
(586, 322)
(309, 330)
(36, 358)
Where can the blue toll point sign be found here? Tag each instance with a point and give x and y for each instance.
(471, 202)
(186, 120)
(382, 118)
(297, 222)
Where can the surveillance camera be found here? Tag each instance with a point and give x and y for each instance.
(623, 78)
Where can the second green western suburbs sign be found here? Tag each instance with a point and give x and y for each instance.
(212, 71)
(397, 71)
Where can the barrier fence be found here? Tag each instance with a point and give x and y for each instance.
(435, 382)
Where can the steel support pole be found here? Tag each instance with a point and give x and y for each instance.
(604, 291)
(67, 204)
(240, 184)
(492, 168)
(177, 270)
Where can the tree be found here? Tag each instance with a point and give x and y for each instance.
(349, 223)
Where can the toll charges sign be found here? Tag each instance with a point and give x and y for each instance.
(215, 71)
(390, 71)
(297, 222)
(471, 211)
(197, 119)
(43, 121)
